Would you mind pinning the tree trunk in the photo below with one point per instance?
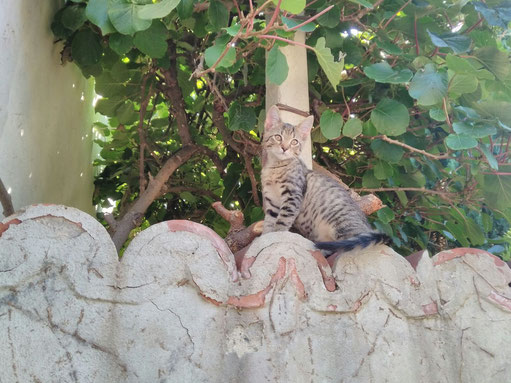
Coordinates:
(294, 91)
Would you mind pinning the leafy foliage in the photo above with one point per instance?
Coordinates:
(423, 89)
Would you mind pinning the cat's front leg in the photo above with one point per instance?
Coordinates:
(271, 213)
(289, 210)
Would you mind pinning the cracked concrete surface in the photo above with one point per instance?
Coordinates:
(175, 309)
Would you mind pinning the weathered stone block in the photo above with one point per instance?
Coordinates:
(175, 308)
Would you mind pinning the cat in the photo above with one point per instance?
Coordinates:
(295, 196)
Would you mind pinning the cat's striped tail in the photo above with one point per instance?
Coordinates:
(360, 241)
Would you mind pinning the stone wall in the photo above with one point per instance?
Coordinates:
(46, 111)
(175, 309)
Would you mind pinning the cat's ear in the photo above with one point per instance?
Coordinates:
(272, 118)
(305, 127)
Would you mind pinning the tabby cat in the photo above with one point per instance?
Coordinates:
(314, 204)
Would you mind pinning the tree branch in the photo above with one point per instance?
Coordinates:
(292, 42)
(310, 19)
(368, 203)
(417, 48)
(422, 190)
(253, 181)
(154, 190)
(5, 199)
(273, 17)
(191, 189)
(411, 148)
(238, 236)
(444, 106)
(395, 14)
(174, 94)
(141, 133)
(234, 217)
(470, 29)
(219, 122)
(213, 156)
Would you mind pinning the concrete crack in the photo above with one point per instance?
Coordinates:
(181, 323)
(131, 287)
(74, 335)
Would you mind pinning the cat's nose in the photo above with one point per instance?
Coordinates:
(284, 149)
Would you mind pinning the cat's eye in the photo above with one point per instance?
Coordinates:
(278, 137)
(294, 141)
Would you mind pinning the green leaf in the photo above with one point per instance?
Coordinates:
(330, 19)
(472, 231)
(293, 6)
(390, 117)
(233, 29)
(120, 44)
(86, 48)
(124, 17)
(463, 83)
(473, 130)
(414, 179)
(212, 54)
(420, 62)
(383, 72)
(369, 180)
(333, 37)
(58, 28)
(96, 12)
(330, 124)
(495, 109)
(352, 128)
(363, 3)
(383, 170)
(458, 43)
(387, 151)
(331, 68)
(107, 86)
(487, 221)
(368, 129)
(185, 9)
(291, 23)
(317, 136)
(388, 46)
(152, 41)
(492, 161)
(188, 197)
(107, 107)
(458, 232)
(495, 16)
(73, 17)
(496, 61)
(437, 114)
(497, 189)
(126, 114)
(385, 214)
(428, 86)
(276, 66)
(459, 65)
(157, 10)
(241, 117)
(402, 197)
(460, 141)
(218, 15)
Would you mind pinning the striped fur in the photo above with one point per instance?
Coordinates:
(314, 204)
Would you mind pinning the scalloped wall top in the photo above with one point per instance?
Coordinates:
(174, 308)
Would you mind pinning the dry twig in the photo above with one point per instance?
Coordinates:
(5, 199)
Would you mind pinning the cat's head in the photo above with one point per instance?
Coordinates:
(283, 141)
